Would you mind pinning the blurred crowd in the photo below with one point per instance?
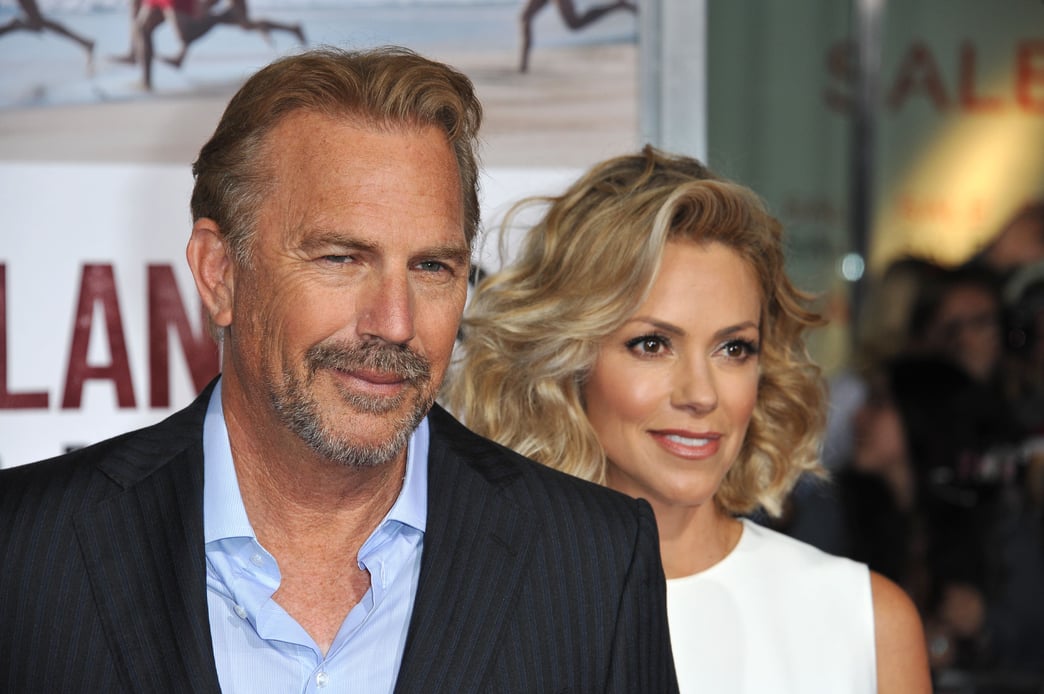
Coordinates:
(935, 449)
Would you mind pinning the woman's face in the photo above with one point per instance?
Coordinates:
(672, 391)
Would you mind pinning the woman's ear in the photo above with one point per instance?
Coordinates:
(213, 270)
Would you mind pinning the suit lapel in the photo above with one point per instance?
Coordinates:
(144, 553)
(477, 536)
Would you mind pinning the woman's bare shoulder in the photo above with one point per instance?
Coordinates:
(902, 656)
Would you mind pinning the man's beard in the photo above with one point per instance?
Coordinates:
(293, 400)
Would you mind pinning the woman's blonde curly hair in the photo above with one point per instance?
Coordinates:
(532, 331)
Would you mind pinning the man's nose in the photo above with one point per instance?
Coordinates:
(386, 309)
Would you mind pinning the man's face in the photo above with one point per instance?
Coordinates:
(344, 320)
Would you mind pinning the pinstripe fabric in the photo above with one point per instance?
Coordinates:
(531, 581)
(103, 586)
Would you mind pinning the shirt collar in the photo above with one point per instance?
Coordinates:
(224, 515)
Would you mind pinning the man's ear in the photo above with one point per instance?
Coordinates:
(213, 270)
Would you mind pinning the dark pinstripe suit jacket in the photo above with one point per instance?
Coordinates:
(531, 581)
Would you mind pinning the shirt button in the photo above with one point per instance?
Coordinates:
(240, 611)
(257, 560)
(322, 679)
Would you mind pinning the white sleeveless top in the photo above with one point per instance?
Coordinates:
(775, 615)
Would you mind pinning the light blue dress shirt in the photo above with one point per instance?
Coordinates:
(258, 647)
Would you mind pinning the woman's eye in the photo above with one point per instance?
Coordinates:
(647, 344)
(740, 349)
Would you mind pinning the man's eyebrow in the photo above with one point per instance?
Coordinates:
(329, 239)
(449, 252)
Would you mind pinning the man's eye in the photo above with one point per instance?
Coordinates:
(431, 266)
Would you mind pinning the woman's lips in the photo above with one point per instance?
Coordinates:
(687, 444)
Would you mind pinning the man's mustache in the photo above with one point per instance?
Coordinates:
(383, 357)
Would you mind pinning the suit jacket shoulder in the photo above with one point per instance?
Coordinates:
(104, 585)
